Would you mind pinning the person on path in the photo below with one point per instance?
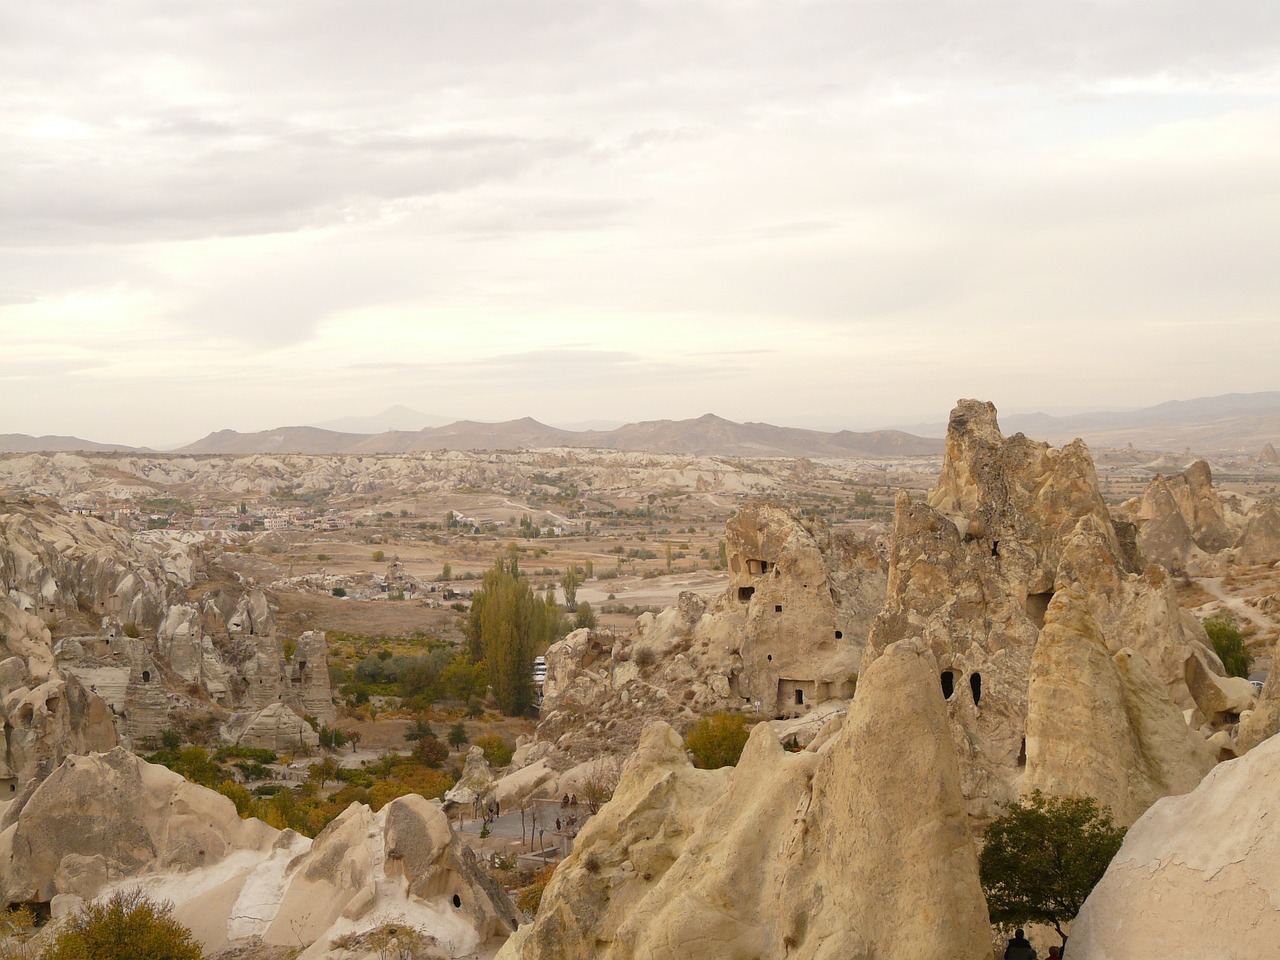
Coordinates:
(1019, 948)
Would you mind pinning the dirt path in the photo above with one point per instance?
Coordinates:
(1213, 586)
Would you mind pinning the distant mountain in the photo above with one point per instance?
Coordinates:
(707, 436)
(280, 440)
(22, 443)
(1230, 423)
(398, 417)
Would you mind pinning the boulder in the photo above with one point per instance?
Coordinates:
(1198, 875)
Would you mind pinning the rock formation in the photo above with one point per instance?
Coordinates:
(1102, 724)
(274, 727)
(857, 848)
(109, 820)
(973, 571)
(47, 716)
(786, 636)
(56, 565)
(1184, 524)
(1198, 875)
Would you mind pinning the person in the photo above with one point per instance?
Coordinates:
(1019, 948)
(1055, 953)
(558, 826)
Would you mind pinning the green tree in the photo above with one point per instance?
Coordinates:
(127, 926)
(446, 572)
(668, 558)
(457, 735)
(572, 580)
(722, 556)
(508, 623)
(717, 740)
(1228, 643)
(588, 570)
(496, 750)
(1043, 856)
(585, 617)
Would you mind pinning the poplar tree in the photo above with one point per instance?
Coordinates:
(508, 624)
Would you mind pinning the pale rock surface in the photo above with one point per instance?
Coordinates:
(858, 850)
(1219, 699)
(107, 821)
(274, 727)
(972, 572)
(1198, 875)
(1264, 720)
(475, 782)
(1102, 724)
(1260, 539)
(47, 716)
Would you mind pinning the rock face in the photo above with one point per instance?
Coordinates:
(47, 716)
(1185, 525)
(973, 571)
(474, 784)
(1260, 539)
(1102, 724)
(110, 820)
(274, 727)
(54, 564)
(785, 637)
(1198, 875)
(858, 848)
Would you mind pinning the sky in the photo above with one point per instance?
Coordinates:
(830, 214)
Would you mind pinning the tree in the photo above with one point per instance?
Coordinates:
(457, 735)
(717, 740)
(126, 926)
(1043, 856)
(572, 580)
(431, 751)
(378, 556)
(1228, 644)
(446, 572)
(585, 617)
(508, 623)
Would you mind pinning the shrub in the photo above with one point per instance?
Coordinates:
(717, 741)
(496, 750)
(127, 926)
(339, 592)
(1228, 644)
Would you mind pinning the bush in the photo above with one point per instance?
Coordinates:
(1228, 644)
(431, 751)
(717, 741)
(127, 926)
(496, 750)
(339, 592)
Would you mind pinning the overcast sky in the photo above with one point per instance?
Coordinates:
(220, 214)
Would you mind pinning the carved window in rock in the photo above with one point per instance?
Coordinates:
(948, 684)
(758, 567)
(777, 608)
(745, 593)
(975, 687)
(146, 676)
(839, 634)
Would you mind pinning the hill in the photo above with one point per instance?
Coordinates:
(706, 436)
